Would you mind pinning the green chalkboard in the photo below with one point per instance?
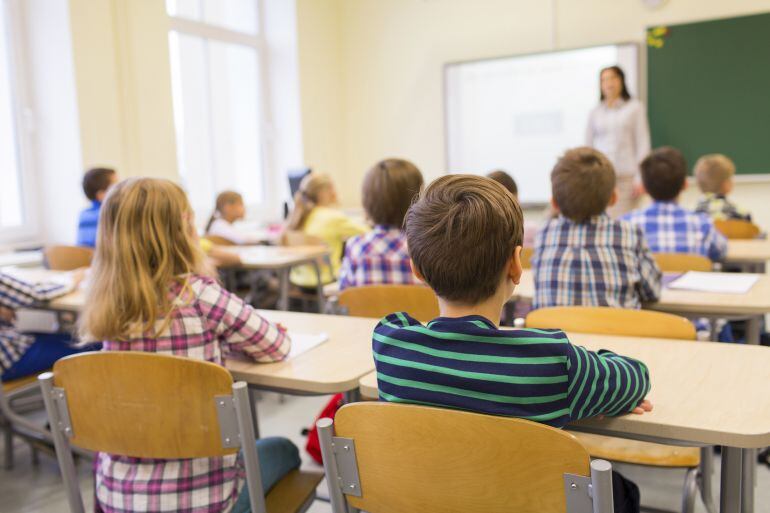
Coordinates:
(709, 89)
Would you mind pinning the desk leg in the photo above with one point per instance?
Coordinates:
(351, 396)
(707, 473)
(253, 394)
(753, 327)
(732, 467)
(283, 300)
(748, 480)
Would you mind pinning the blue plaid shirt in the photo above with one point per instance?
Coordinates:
(379, 257)
(15, 293)
(600, 262)
(670, 228)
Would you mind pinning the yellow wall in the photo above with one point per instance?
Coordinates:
(377, 65)
(123, 79)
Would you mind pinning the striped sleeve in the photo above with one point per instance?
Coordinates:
(239, 326)
(604, 383)
(15, 293)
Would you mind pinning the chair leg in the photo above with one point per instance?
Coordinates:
(8, 443)
(690, 490)
(704, 478)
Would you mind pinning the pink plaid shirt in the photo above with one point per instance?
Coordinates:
(208, 325)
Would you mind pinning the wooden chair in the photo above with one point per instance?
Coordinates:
(682, 262)
(396, 458)
(180, 409)
(636, 323)
(219, 241)
(380, 300)
(737, 229)
(67, 258)
(526, 258)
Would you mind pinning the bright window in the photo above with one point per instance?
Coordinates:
(216, 52)
(15, 207)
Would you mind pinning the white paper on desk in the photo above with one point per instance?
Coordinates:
(304, 342)
(259, 255)
(726, 283)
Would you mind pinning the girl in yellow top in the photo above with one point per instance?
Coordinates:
(314, 215)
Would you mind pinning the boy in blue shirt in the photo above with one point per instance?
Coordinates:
(96, 182)
(464, 236)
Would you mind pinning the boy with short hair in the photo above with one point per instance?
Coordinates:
(714, 174)
(670, 228)
(96, 182)
(464, 236)
(583, 256)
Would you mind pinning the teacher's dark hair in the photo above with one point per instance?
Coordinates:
(622, 76)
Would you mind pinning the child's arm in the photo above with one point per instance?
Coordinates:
(649, 273)
(239, 326)
(604, 383)
(714, 242)
(346, 227)
(346, 270)
(16, 293)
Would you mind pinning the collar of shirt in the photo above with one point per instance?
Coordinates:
(96, 204)
(475, 319)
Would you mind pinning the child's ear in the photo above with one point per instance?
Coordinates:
(613, 198)
(100, 196)
(554, 205)
(416, 272)
(514, 266)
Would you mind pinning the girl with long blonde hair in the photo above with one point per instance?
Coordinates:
(314, 215)
(148, 293)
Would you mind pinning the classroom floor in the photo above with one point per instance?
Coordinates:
(38, 489)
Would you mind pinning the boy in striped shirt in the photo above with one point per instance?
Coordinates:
(464, 236)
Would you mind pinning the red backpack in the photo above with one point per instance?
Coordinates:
(313, 446)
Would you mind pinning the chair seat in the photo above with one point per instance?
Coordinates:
(9, 386)
(292, 492)
(639, 453)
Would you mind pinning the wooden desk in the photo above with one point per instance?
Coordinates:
(752, 254)
(754, 304)
(703, 394)
(333, 367)
(282, 259)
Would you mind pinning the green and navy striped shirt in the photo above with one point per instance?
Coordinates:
(468, 363)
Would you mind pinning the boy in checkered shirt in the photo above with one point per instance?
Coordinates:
(582, 256)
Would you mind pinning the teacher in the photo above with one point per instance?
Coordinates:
(618, 128)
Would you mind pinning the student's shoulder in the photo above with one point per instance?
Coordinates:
(396, 321)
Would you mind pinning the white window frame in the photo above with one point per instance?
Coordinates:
(270, 203)
(24, 114)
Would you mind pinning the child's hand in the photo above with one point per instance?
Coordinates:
(644, 406)
(7, 315)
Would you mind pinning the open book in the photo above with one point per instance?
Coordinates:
(726, 283)
(303, 342)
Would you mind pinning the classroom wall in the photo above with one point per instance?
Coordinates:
(371, 70)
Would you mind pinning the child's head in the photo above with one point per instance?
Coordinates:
(316, 189)
(229, 206)
(583, 184)
(388, 190)
(664, 173)
(97, 181)
(506, 180)
(146, 241)
(464, 235)
(714, 174)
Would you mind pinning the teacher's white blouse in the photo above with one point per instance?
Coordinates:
(620, 132)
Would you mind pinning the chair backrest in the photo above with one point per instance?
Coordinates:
(218, 240)
(737, 228)
(143, 404)
(682, 262)
(415, 458)
(612, 321)
(380, 300)
(526, 258)
(300, 238)
(67, 258)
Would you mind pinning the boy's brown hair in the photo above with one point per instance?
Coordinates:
(506, 180)
(712, 171)
(389, 189)
(582, 183)
(95, 180)
(664, 172)
(461, 233)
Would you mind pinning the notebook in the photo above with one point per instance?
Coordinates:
(725, 283)
(303, 342)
